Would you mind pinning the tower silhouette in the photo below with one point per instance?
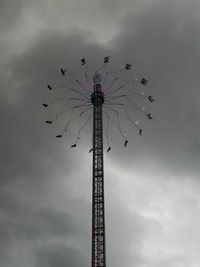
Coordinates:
(98, 212)
(92, 96)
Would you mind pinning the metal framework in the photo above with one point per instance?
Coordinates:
(98, 218)
(88, 98)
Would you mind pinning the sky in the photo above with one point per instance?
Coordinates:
(151, 187)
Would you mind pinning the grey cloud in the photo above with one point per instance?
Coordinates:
(60, 255)
(167, 55)
(9, 13)
(162, 49)
(25, 224)
(120, 245)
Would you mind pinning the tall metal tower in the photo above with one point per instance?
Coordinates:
(98, 212)
(95, 97)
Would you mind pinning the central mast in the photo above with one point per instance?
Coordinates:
(98, 218)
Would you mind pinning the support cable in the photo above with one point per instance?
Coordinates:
(131, 91)
(75, 118)
(112, 83)
(121, 114)
(71, 108)
(107, 129)
(86, 73)
(81, 127)
(142, 110)
(80, 93)
(116, 125)
(60, 99)
(114, 90)
(79, 83)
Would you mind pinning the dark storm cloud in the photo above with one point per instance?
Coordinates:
(22, 144)
(32, 223)
(25, 224)
(60, 255)
(33, 154)
(166, 50)
(9, 13)
(32, 162)
(120, 245)
(29, 161)
(23, 122)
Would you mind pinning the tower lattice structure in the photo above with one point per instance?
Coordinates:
(98, 211)
(116, 103)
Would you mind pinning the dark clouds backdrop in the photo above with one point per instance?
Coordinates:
(152, 188)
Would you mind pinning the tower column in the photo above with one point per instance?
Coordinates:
(98, 218)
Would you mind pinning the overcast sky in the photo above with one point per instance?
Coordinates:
(152, 187)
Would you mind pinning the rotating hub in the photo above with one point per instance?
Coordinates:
(97, 98)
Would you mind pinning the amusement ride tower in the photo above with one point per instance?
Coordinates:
(91, 96)
(98, 213)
